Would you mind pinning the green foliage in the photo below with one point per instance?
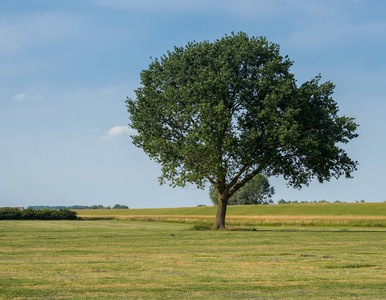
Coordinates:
(98, 207)
(256, 191)
(10, 213)
(226, 111)
(64, 214)
(120, 206)
(37, 214)
(282, 201)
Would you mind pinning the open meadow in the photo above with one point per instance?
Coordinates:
(125, 259)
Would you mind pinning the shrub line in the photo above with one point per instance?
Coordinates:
(14, 213)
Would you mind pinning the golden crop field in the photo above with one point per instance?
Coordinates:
(326, 214)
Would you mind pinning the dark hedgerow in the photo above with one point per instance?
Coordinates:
(37, 214)
(10, 214)
(64, 214)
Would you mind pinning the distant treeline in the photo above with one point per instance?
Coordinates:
(14, 213)
(116, 206)
(282, 201)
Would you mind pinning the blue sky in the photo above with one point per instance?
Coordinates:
(66, 68)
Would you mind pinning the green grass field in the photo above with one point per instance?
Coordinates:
(120, 259)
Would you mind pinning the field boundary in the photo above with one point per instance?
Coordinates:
(357, 221)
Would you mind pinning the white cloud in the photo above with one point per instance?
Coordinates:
(27, 96)
(119, 131)
(20, 96)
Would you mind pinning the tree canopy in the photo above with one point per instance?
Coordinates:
(224, 111)
(255, 191)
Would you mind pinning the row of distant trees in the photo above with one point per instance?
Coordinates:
(258, 191)
(282, 201)
(116, 206)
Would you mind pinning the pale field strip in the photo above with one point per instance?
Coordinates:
(267, 217)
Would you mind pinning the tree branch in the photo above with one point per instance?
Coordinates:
(237, 176)
(238, 185)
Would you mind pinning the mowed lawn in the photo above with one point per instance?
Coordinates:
(120, 259)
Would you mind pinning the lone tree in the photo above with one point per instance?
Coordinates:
(227, 110)
(255, 191)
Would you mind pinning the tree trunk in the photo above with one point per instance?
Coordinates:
(221, 212)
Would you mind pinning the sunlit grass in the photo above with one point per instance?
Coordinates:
(152, 260)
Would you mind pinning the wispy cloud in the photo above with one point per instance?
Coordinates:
(118, 131)
(35, 31)
(18, 97)
(246, 8)
(152, 5)
(26, 96)
(336, 33)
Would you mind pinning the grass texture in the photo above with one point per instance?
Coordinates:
(120, 259)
